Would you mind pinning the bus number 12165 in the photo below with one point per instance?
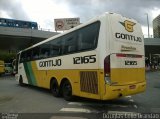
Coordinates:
(84, 59)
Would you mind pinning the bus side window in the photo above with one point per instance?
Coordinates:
(71, 48)
(36, 51)
(44, 50)
(29, 55)
(88, 36)
(22, 57)
(55, 51)
(56, 47)
(69, 43)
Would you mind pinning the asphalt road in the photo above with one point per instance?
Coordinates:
(32, 102)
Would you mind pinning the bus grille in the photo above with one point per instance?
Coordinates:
(89, 81)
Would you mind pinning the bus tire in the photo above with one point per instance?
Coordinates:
(54, 88)
(67, 90)
(21, 81)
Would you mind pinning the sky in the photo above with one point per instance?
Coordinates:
(45, 11)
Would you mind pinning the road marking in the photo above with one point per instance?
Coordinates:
(80, 110)
(116, 105)
(131, 100)
(121, 112)
(128, 96)
(96, 104)
(65, 117)
(75, 103)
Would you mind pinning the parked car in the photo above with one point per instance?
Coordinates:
(8, 68)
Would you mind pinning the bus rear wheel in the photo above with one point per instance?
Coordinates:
(54, 88)
(67, 91)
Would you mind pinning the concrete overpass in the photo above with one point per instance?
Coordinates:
(152, 46)
(14, 39)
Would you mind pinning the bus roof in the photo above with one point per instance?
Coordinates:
(97, 18)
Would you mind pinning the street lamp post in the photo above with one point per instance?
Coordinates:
(148, 24)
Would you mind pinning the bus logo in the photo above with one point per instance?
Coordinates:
(128, 25)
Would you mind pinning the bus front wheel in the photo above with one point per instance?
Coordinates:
(21, 81)
(67, 91)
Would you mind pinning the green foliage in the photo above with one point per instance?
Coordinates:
(6, 56)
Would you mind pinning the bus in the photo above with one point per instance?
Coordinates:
(101, 59)
(2, 69)
(5, 22)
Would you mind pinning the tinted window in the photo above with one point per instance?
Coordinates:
(69, 44)
(44, 50)
(26, 56)
(88, 36)
(8, 65)
(35, 54)
(29, 55)
(22, 57)
(80, 40)
(55, 47)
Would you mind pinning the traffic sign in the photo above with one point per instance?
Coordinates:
(66, 23)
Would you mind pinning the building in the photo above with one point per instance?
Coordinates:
(156, 27)
(13, 39)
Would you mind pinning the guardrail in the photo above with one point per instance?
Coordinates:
(146, 36)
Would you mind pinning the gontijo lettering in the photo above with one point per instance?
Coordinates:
(128, 37)
(50, 63)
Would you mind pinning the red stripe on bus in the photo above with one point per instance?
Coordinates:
(129, 55)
